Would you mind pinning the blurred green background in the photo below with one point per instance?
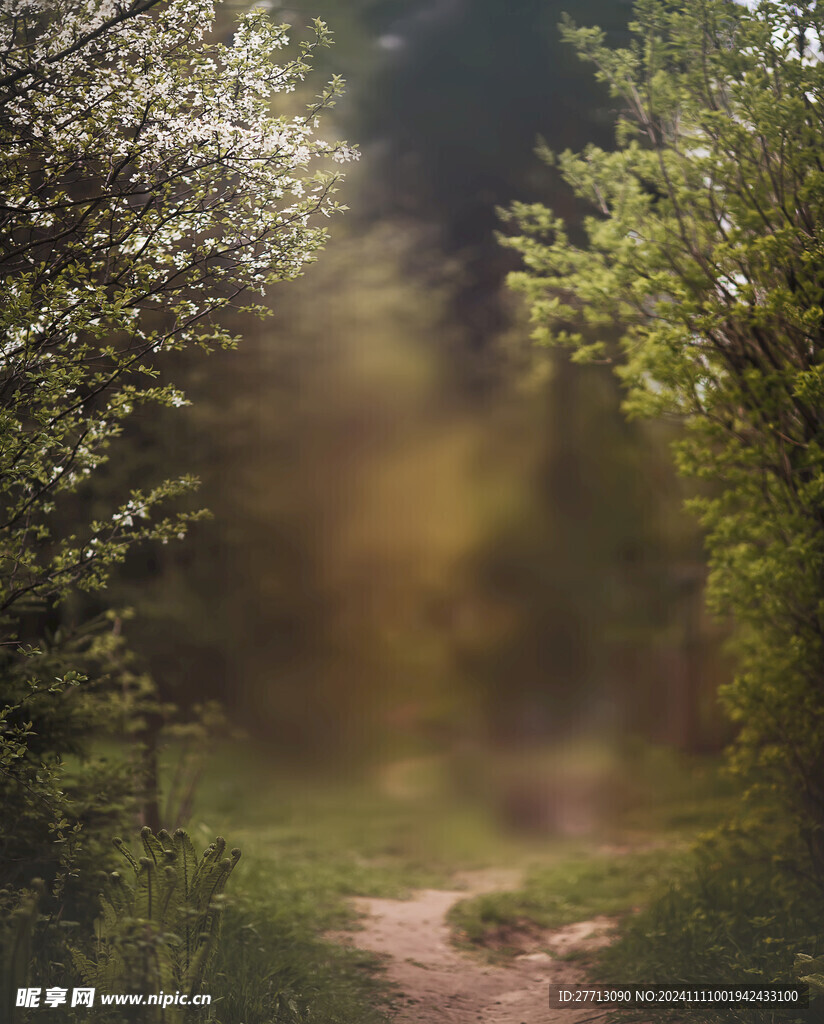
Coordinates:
(430, 538)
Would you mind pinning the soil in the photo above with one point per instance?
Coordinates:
(438, 983)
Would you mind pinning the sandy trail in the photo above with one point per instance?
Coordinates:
(439, 983)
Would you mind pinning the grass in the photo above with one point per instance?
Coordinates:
(668, 801)
(309, 845)
(573, 889)
(735, 912)
(275, 967)
(730, 913)
(696, 903)
(347, 833)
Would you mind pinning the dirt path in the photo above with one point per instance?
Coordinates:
(439, 983)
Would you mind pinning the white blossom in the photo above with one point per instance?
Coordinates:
(148, 181)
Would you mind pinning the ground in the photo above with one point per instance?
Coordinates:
(438, 982)
(389, 864)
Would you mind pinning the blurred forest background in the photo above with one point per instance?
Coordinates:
(428, 536)
(448, 608)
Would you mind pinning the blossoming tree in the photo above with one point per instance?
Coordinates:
(149, 180)
(147, 186)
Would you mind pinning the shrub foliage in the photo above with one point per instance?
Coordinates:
(704, 244)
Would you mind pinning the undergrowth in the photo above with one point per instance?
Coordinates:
(737, 912)
(275, 969)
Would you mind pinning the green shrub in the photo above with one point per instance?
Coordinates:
(159, 933)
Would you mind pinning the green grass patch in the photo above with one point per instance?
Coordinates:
(373, 843)
(275, 968)
(734, 913)
(573, 889)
